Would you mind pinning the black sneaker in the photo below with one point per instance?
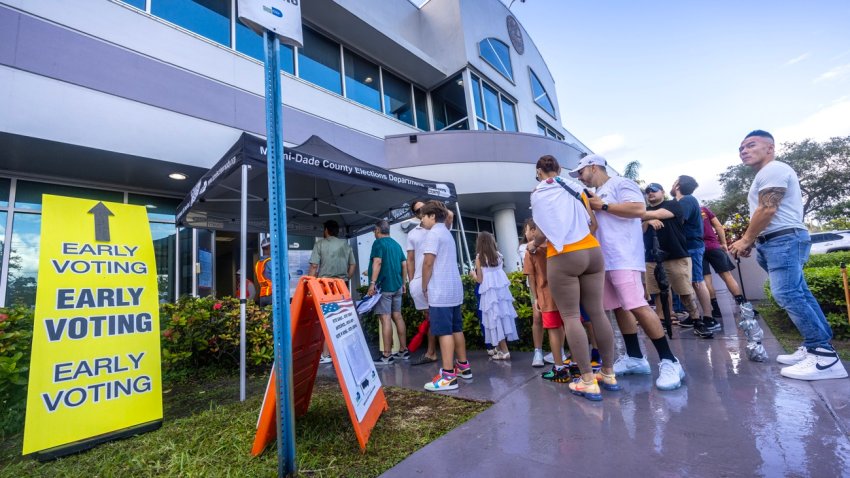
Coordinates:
(687, 323)
(710, 323)
(402, 355)
(715, 313)
(701, 331)
(559, 376)
(382, 359)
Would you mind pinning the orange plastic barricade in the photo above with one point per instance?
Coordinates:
(322, 309)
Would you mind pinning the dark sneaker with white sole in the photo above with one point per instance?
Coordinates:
(382, 359)
(701, 331)
(710, 323)
(687, 323)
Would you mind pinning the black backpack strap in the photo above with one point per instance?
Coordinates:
(570, 190)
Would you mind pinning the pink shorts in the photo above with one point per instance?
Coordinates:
(623, 289)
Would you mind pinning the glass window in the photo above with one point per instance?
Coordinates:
(509, 115)
(251, 44)
(140, 4)
(5, 184)
(541, 130)
(476, 97)
(208, 18)
(539, 94)
(397, 98)
(421, 102)
(28, 194)
(318, 61)
(546, 130)
(164, 242)
(362, 81)
(186, 268)
(23, 260)
(485, 225)
(206, 263)
(3, 216)
(449, 104)
(498, 55)
(159, 209)
(491, 106)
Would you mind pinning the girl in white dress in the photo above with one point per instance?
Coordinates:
(496, 302)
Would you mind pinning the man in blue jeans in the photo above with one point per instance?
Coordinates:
(682, 190)
(782, 246)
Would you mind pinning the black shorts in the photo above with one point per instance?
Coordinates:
(719, 261)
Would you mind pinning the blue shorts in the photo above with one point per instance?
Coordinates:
(696, 264)
(445, 320)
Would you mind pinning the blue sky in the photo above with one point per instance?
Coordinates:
(677, 84)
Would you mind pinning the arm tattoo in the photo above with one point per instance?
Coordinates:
(771, 197)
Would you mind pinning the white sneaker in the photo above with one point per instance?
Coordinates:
(670, 375)
(791, 359)
(326, 359)
(499, 355)
(819, 364)
(549, 358)
(537, 361)
(626, 365)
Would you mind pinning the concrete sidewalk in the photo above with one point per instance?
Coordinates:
(732, 417)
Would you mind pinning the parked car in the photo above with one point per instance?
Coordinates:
(830, 241)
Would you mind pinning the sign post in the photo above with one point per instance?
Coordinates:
(278, 20)
(95, 369)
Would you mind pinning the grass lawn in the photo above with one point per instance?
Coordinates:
(208, 432)
(787, 334)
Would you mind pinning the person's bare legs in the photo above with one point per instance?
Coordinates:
(448, 343)
(556, 341)
(709, 284)
(503, 346)
(731, 283)
(387, 333)
(401, 329)
(703, 297)
(459, 346)
(537, 328)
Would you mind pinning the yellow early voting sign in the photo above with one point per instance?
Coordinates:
(95, 370)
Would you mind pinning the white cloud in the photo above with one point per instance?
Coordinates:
(797, 59)
(705, 170)
(608, 144)
(830, 121)
(836, 73)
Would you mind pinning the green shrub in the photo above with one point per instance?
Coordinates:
(830, 259)
(15, 343)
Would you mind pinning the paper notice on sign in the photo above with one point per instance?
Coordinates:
(352, 354)
(95, 365)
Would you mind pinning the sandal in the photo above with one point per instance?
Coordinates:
(423, 360)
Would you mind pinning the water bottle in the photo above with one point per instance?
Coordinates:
(753, 332)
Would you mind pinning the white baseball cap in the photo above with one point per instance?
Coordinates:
(589, 160)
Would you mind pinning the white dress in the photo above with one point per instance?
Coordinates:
(497, 305)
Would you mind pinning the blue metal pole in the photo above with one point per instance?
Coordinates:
(280, 262)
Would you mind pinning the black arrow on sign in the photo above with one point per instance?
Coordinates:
(101, 222)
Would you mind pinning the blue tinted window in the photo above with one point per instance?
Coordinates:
(449, 104)
(28, 194)
(140, 4)
(208, 18)
(4, 191)
(362, 81)
(509, 114)
(476, 97)
(540, 96)
(251, 44)
(23, 261)
(159, 209)
(498, 55)
(421, 102)
(397, 98)
(491, 106)
(318, 61)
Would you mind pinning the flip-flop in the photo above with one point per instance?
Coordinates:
(424, 359)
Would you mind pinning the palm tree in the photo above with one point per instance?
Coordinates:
(632, 171)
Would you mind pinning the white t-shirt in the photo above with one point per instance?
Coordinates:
(414, 243)
(621, 238)
(561, 217)
(445, 288)
(777, 174)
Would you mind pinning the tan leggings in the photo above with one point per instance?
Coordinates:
(579, 277)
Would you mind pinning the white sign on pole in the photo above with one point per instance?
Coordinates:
(283, 17)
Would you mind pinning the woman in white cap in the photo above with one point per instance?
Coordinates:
(575, 271)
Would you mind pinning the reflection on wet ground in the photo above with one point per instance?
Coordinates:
(732, 417)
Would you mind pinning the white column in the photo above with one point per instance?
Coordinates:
(504, 221)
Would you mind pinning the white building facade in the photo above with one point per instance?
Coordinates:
(106, 98)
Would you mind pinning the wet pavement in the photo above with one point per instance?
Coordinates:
(732, 417)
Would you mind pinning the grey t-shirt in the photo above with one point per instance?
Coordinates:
(777, 174)
(333, 256)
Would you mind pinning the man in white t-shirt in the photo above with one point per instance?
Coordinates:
(415, 256)
(619, 206)
(782, 245)
(442, 287)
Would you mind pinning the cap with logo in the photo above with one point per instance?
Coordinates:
(653, 188)
(589, 160)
